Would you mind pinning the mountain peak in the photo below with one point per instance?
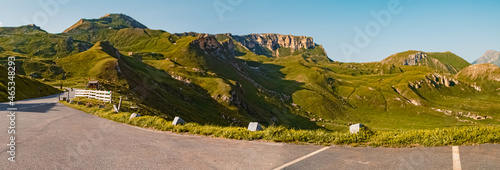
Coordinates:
(108, 21)
(490, 56)
(441, 61)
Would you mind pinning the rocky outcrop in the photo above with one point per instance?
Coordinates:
(414, 59)
(210, 45)
(434, 80)
(260, 43)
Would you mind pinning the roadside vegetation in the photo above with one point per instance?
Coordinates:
(465, 135)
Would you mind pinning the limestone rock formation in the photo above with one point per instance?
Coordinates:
(413, 59)
(210, 44)
(259, 43)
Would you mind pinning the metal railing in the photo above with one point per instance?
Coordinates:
(94, 94)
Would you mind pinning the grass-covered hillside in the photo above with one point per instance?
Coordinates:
(278, 79)
(25, 88)
(109, 21)
(444, 62)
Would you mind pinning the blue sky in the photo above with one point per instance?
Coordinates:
(467, 28)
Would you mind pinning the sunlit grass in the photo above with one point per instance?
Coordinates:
(468, 135)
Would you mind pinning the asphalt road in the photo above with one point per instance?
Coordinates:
(50, 135)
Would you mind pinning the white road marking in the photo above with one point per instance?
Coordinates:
(34, 106)
(456, 158)
(301, 158)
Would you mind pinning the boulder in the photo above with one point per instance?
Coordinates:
(254, 126)
(178, 120)
(88, 105)
(355, 128)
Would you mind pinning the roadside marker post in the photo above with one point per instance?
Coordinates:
(355, 128)
(254, 126)
(134, 115)
(116, 109)
(178, 120)
(120, 103)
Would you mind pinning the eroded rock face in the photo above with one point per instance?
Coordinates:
(434, 80)
(209, 44)
(440, 80)
(274, 41)
(413, 59)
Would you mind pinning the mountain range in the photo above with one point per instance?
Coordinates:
(228, 79)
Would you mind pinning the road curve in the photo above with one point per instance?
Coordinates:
(50, 135)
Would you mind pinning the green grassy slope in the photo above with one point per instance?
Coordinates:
(98, 62)
(30, 41)
(25, 88)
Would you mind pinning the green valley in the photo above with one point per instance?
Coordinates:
(274, 79)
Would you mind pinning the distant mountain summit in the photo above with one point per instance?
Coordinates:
(26, 29)
(110, 21)
(490, 56)
(446, 62)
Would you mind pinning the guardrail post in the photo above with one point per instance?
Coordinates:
(120, 103)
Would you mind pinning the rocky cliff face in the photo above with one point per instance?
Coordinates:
(209, 44)
(413, 59)
(489, 56)
(260, 43)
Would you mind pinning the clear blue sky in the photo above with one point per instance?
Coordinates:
(467, 28)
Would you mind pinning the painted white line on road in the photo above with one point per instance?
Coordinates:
(301, 158)
(34, 106)
(456, 158)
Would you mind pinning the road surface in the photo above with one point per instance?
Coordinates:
(50, 135)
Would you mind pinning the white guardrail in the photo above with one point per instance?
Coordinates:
(94, 94)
